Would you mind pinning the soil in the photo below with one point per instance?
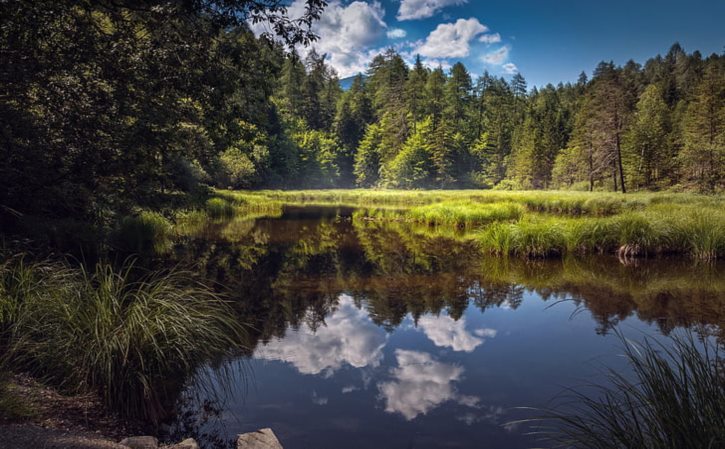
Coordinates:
(50, 419)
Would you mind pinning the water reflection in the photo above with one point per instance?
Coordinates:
(348, 336)
(421, 383)
(446, 332)
(369, 334)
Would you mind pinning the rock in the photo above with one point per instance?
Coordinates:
(188, 443)
(143, 442)
(261, 439)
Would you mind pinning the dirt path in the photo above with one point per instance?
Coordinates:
(54, 420)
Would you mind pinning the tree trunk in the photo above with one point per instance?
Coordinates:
(619, 163)
(591, 168)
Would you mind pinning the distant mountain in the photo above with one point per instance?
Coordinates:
(345, 83)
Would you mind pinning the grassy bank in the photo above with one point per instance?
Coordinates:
(539, 223)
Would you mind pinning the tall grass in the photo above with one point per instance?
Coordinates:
(219, 208)
(464, 214)
(540, 223)
(674, 400)
(147, 232)
(134, 339)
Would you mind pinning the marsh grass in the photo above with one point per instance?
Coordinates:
(675, 399)
(133, 337)
(464, 214)
(146, 232)
(218, 208)
(537, 224)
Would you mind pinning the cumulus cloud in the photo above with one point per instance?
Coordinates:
(510, 68)
(445, 332)
(421, 9)
(349, 338)
(452, 40)
(421, 384)
(346, 32)
(396, 33)
(494, 38)
(497, 57)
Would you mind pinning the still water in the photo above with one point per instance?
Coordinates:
(372, 335)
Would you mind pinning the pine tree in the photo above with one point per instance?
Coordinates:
(647, 149)
(435, 96)
(703, 156)
(415, 91)
(367, 158)
(458, 95)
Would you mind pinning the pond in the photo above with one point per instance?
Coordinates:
(380, 335)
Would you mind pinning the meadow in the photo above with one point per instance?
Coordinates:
(535, 224)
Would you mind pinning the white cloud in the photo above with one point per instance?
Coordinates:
(421, 384)
(510, 68)
(420, 9)
(452, 40)
(489, 39)
(497, 57)
(346, 33)
(348, 338)
(396, 33)
(486, 332)
(446, 332)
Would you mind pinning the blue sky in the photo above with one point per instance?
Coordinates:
(547, 41)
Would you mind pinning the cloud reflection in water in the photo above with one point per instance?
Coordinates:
(420, 384)
(349, 337)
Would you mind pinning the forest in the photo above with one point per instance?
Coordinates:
(109, 106)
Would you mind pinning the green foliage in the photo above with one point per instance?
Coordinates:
(219, 208)
(144, 233)
(320, 155)
(124, 335)
(367, 158)
(465, 213)
(412, 167)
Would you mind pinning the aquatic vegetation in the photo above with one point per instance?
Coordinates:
(219, 208)
(675, 400)
(464, 214)
(536, 224)
(144, 233)
(191, 223)
(133, 337)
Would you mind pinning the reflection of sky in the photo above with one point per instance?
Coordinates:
(349, 337)
(445, 332)
(421, 383)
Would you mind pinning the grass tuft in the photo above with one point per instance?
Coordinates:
(675, 400)
(135, 339)
(219, 208)
(147, 232)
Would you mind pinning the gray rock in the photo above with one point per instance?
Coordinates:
(261, 439)
(142, 442)
(188, 443)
